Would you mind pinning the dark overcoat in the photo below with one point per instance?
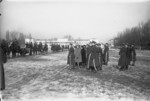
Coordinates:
(94, 56)
(100, 56)
(133, 54)
(35, 47)
(106, 54)
(3, 59)
(71, 56)
(83, 53)
(88, 54)
(88, 51)
(128, 55)
(123, 57)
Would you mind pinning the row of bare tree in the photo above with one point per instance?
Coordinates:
(138, 35)
(15, 35)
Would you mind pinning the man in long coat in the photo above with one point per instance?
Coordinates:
(123, 57)
(83, 53)
(31, 48)
(106, 54)
(35, 48)
(99, 50)
(133, 55)
(71, 57)
(3, 59)
(40, 47)
(46, 48)
(78, 56)
(88, 51)
(94, 58)
(128, 55)
(14, 47)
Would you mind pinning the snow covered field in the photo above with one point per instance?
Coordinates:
(46, 78)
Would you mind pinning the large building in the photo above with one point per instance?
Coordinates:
(82, 41)
(61, 41)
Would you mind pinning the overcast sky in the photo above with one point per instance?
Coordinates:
(81, 18)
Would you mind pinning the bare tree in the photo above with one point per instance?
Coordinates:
(138, 35)
(7, 36)
(14, 35)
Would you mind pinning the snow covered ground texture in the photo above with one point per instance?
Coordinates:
(45, 78)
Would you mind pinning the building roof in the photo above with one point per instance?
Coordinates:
(62, 40)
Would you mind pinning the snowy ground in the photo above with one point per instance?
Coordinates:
(45, 78)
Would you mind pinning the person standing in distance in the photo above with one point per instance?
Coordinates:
(71, 57)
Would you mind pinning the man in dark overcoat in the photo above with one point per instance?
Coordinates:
(88, 51)
(35, 48)
(40, 47)
(46, 48)
(31, 48)
(128, 55)
(83, 54)
(93, 57)
(99, 50)
(3, 59)
(123, 57)
(71, 57)
(106, 54)
(133, 55)
(14, 47)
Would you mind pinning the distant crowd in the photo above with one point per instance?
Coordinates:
(93, 56)
(13, 48)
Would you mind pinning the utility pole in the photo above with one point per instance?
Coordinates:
(0, 38)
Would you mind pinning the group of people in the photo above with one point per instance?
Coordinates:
(92, 56)
(12, 47)
(127, 56)
(16, 49)
(58, 47)
(34, 49)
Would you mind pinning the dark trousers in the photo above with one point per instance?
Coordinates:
(2, 77)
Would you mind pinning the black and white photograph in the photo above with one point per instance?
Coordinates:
(74, 50)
